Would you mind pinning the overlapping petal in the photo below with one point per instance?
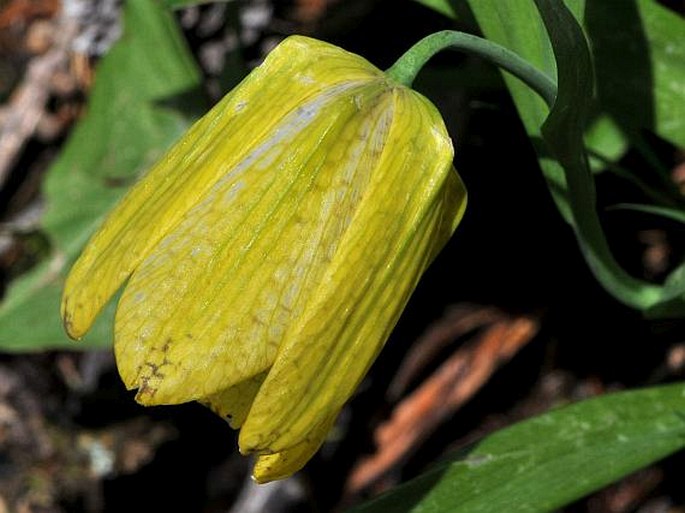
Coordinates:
(227, 136)
(241, 264)
(271, 252)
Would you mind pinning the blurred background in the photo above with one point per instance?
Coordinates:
(507, 323)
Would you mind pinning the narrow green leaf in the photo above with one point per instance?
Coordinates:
(514, 25)
(669, 213)
(639, 52)
(546, 462)
(129, 122)
(441, 6)
(563, 133)
(640, 90)
(674, 285)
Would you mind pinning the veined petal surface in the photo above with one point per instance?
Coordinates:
(296, 71)
(270, 467)
(409, 209)
(209, 305)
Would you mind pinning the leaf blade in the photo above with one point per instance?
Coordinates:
(126, 128)
(543, 463)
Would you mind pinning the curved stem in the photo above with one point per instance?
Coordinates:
(407, 67)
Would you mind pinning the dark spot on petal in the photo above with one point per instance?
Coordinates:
(166, 345)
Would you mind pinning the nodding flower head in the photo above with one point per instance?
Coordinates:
(268, 255)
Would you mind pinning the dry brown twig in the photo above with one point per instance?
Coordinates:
(420, 413)
(26, 107)
(21, 11)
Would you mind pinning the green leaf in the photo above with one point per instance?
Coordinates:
(607, 139)
(544, 463)
(563, 133)
(129, 122)
(675, 282)
(516, 25)
(639, 52)
(562, 154)
(441, 6)
(669, 213)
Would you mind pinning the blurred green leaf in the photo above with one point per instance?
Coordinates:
(606, 137)
(129, 122)
(669, 213)
(546, 462)
(442, 6)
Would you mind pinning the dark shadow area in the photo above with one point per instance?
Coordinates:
(624, 85)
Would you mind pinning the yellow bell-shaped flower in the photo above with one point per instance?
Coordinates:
(271, 251)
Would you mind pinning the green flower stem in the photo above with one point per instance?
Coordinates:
(407, 67)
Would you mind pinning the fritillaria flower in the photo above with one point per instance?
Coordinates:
(267, 256)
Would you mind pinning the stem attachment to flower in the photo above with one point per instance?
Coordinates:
(407, 67)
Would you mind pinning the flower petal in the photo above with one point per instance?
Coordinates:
(295, 71)
(410, 207)
(233, 404)
(270, 467)
(209, 306)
